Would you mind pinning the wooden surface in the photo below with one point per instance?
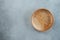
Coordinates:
(42, 19)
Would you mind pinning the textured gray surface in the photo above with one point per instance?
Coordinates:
(15, 19)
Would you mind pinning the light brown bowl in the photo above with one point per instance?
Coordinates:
(42, 19)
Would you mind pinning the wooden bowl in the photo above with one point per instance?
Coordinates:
(42, 19)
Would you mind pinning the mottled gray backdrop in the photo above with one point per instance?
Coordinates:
(15, 20)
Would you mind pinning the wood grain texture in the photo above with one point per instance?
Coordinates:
(42, 19)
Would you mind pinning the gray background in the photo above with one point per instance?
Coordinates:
(15, 20)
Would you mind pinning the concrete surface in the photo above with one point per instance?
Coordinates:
(15, 20)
